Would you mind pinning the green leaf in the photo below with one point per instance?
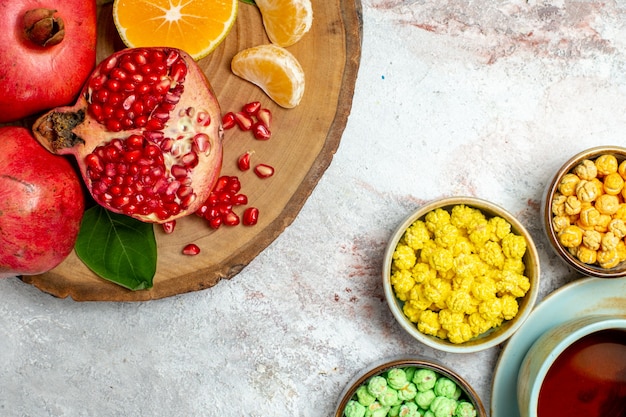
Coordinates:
(248, 1)
(118, 248)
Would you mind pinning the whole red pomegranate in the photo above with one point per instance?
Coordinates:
(47, 50)
(146, 132)
(41, 205)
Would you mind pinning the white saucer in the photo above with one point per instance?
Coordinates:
(579, 298)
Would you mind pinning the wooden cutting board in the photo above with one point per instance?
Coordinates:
(304, 140)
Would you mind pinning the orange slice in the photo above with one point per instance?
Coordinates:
(195, 26)
(275, 70)
(286, 21)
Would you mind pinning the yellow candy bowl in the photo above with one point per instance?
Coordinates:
(475, 291)
(583, 202)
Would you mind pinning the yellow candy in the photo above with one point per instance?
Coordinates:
(609, 241)
(558, 204)
(618, 228)
(586, 255)
(606, 164)
(560, 222)
(589, 216)
(572, 205)
(586, 191)
(591, 222)
(586, 170)
(592, 239)
(607, 204)
(603, 223)
(571, 236)
(599, 186)
(621, 212)
(613, 183)
(608, 259)
(568, 184)
(445, 267)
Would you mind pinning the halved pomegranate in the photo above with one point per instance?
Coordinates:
(146, 132)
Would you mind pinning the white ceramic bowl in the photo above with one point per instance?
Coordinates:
(546, 349)
(592, 270)
(382, 366)
(494, 336)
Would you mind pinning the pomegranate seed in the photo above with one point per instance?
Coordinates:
(108, 64)
(228, 120)
(190, 160)
(243, 162)
(128, 66)
(97, 111)
(118, 74)
(260, 131)
(155, 124)
(265, 116)
(239, 199)
(119, 202)
(243, 120)
(94, 163)
(203, 119)
(218, 207)
(231, 219)
(178, 71)
(113, 85)
(191, 249)
(220, 184)
(252, 108)
(215, 222)
(168, 227)
(263, 171)
(113, 125)
(234, 185)
(201, 142)
(251, 216)
(97, 81)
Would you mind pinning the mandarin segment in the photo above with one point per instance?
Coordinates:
(275, 70)
(195, 26)
(286, 21)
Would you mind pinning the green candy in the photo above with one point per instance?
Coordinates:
(396, 378)
(465, 409)
(424, 398)
(377, 386)
(394, 411)
(443, 407)
(354, 409)
(424, 379)
(409, 410)
(408, 392)
(364, 396)
(409, 372)
(376, 409)
(389, 398)
(445, 387)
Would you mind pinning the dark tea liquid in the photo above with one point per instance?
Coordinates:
(588, 379)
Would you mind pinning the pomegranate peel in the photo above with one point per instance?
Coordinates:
(146, 132)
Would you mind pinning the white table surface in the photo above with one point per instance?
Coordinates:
(484, 98)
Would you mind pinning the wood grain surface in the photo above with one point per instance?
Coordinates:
(304, 140)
